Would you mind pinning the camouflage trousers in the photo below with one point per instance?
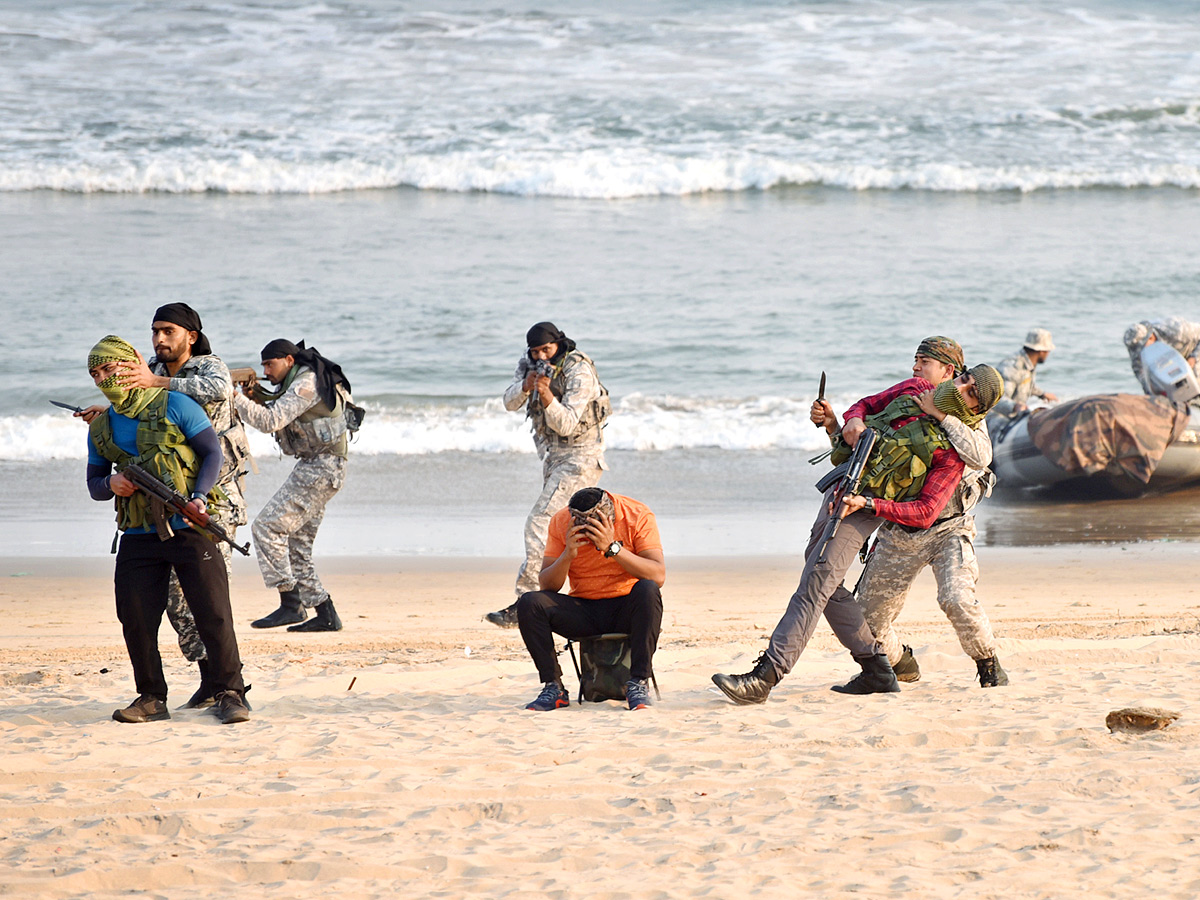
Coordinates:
(285, 529)
(179, 614)
(562, 476)
(949, 548)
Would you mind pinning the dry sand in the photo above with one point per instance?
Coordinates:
(427, 779)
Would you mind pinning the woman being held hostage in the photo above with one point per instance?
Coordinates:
(909, 478)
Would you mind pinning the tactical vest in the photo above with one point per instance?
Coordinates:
(319, 430)
(163, 451)
(591, 420)
(902, 456)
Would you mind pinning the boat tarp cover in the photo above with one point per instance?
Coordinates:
(1117, 433)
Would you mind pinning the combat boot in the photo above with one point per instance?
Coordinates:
(876, 677)
(989, 673)
(290, 611)
(203, 698)
(753, 687)
(326, 619)
(907, 669)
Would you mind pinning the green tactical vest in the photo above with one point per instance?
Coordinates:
(163, 451)
(902, 456)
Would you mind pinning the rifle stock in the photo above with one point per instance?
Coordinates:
(850, 485)
(178, 503)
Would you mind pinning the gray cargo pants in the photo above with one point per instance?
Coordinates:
(285, 529)
(895, 562)
(821, 591)
(562, 476)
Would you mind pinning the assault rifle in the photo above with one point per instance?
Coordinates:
(163, 497)
(850, 484)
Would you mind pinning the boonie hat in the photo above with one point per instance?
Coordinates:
(1039, 339)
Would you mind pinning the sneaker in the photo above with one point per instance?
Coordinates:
(144, 709)
(230, 708)
(989, 672)
(907, 669)
(637, 692)
(553, 696)
(504, 618)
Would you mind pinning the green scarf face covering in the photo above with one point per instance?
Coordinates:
(127, 402)
(947, 398)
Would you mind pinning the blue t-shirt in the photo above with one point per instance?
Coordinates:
(181, 409)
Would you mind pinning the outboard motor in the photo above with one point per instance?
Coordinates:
(1165, 372)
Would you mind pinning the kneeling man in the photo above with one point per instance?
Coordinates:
(608, 546)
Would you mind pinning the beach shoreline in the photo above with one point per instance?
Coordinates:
(393, 758)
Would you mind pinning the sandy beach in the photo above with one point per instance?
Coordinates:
(394, 759)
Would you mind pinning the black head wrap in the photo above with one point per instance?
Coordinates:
(548, 333)
(187, 318)
(328, 373)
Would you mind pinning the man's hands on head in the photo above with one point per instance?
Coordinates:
(132, 375)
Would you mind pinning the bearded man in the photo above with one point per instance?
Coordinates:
(167, 434)
(909, 478)
(947, 546)
(183, 361)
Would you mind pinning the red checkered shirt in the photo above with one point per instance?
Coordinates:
(945, 468)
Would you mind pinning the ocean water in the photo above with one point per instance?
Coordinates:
(717, 201)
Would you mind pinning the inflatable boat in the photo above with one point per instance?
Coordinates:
(1102, 446)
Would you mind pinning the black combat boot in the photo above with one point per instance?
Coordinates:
(907, 669)
(989, 673)
(876, 677)
(289, 611)
(504, 618)
(753, 687)
(203, 698)
(326, 619)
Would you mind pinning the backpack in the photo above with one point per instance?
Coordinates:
(603, 666)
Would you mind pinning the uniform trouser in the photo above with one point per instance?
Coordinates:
(285, 529)
(144, 565)
(895, 562)
(562, 476)
(542, 614)
(178, 613)
(821, 591)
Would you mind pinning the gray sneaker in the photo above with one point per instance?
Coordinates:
(144, 709)
(637, 692)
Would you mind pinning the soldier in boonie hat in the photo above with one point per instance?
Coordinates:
(1018, 371)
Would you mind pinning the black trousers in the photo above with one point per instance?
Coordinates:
(542, 614)
(143, 571)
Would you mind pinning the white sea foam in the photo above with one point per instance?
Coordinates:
(639, 423)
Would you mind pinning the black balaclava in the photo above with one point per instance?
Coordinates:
(548, 333)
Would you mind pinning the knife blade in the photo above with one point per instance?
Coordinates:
(820, 396)
(67, 406)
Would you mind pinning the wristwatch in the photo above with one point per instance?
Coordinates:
(870, 506)
(198, 496)
(613, 549)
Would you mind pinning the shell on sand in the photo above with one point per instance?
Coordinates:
(1139, 719)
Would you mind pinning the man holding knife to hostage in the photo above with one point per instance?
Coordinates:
(908, 478)
(169, 435)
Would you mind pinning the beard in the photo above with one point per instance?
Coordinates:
(167, 354)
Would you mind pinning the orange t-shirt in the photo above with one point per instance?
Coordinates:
(592, 576)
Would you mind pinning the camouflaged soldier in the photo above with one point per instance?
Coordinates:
(947, 546)
(1184, 336)
(311, 415)
(561, 393)
(183, 361)
(1018, 374)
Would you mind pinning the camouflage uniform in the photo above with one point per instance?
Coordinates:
(947, 546)
(1182, 335)
(1019, 384)
(206, 380)
(570, 443)
(286, 527)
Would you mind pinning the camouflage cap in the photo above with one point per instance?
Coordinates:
(944, 350)
(989, 385)
(1039, 339)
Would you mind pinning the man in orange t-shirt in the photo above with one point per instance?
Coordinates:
(608, 546)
